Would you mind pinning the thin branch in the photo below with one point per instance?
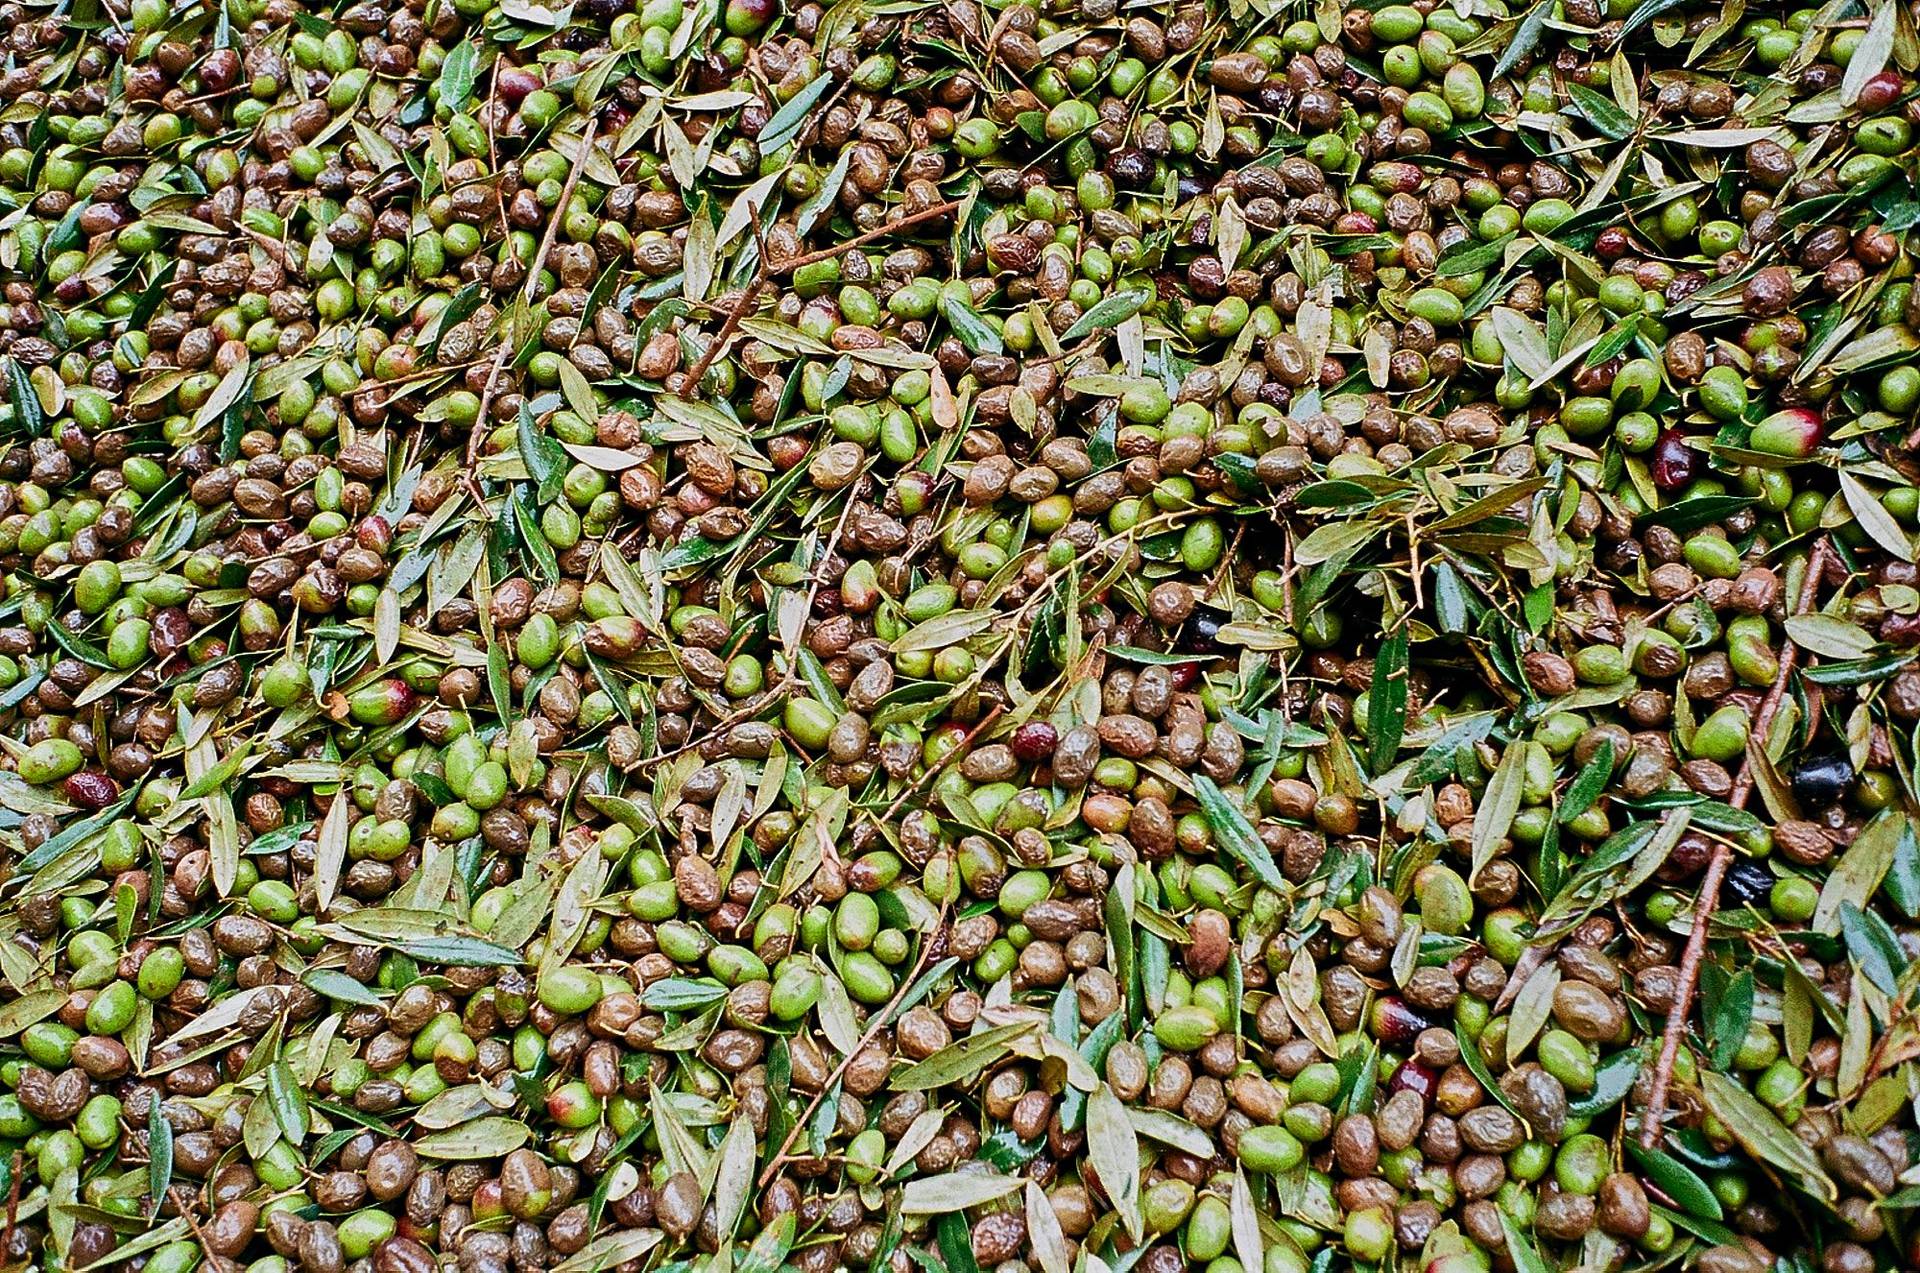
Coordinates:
(767, 270)
(876, 1023)
(1655, 1113)
(966, 742)
(526, 294)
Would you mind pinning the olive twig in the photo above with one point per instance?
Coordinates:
(877, 1023)
(985, 723)
(538, 263)
(1703, 910)
(767, 270)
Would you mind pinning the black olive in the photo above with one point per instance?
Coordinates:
(1201, 634)
(1748, 884)
(1822, 780)
(1131, 169)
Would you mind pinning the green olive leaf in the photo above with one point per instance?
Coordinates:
(1763, 1135)
(1232, 832)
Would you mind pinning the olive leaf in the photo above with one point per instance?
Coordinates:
(1114, 1151)
(1499, 805)
(786, 121)
(1044, 1232)
(954, 1191)
(159, 1154)
(1763, 1135)
(1232, 832)
(1109, 311)
(1873, 947)
(1727, 1010)
(483, 1138)
(1871, 54)
(975, 332)
(1387, 702)
(457, 75)
(1525, 1255)
(1526, 36)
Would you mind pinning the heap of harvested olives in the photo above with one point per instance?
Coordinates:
(926, 636)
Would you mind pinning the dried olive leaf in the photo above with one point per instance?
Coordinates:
(1829, 636)
(1883, 344)
(960, 1061)
(836, 1014)
(734, 1182)
(224, 394)
(1523, 342)
(1874, 518)
(28, 1010)
(1245, 1220)
(1303, 1003)
(453, 1107)
(610, 1250)
(225, 1013)
(1114, 1151)
(954, 1191)
(1044, 1232)
(744, 210)
(918, 1136)
(951, 628)
(1170, 1129)
(260, 1129)
(1870, 56)
(1330, 540)
(1857, 875)
(1532, 1006)
(1856, 1042)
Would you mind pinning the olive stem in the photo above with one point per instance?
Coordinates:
(1709, 899)
(759, 703)
(751, 296)
(966, 741)
(877, 1023)
(185, 1203)
(861, 240)
(526, 294)
(748, 299)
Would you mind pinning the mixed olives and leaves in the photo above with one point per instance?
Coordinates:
(741, 636)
